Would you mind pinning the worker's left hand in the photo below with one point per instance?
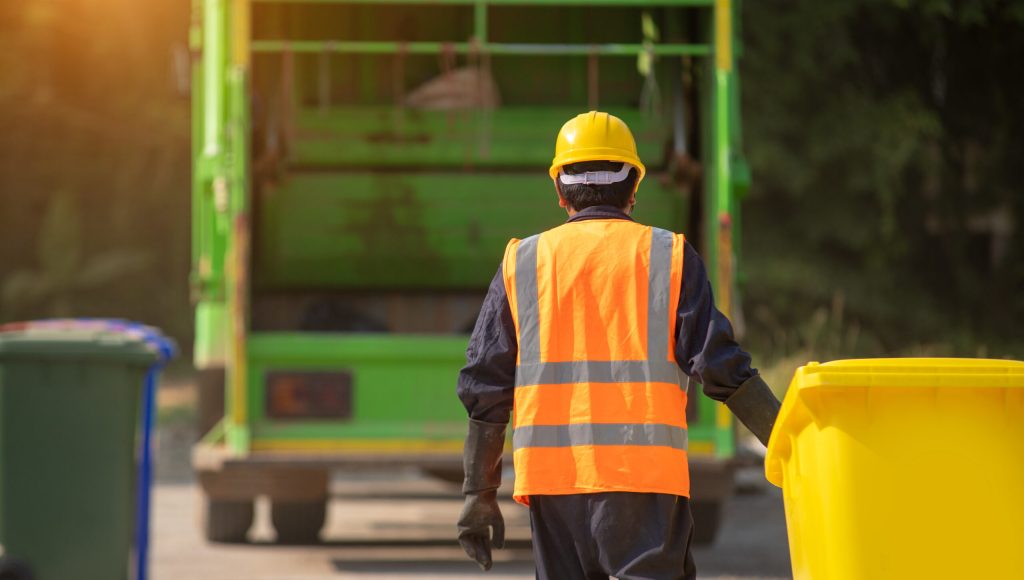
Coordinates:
(479, 516)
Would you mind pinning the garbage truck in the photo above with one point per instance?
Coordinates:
(359, 167)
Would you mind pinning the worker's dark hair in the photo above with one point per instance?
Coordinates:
(581, 195)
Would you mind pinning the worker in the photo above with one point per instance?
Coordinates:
(590, 333)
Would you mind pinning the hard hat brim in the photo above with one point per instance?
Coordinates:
(596, 154)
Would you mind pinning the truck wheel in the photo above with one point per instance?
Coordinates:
(228, 521)
(707, 517)
(298, 522)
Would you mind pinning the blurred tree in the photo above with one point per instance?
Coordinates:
(88, 108)
(63, 275)
(885, 137)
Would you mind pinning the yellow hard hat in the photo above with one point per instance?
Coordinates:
(595, 136)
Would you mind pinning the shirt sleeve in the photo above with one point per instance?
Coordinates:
(486, 384)
(706, 349)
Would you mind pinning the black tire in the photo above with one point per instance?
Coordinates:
(14, 569)
(298, 522)
(209, 400)
(228, 521)
(707, 518)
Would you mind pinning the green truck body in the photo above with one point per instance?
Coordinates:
(358, 170)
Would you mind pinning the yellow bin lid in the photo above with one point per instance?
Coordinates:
(882, 373)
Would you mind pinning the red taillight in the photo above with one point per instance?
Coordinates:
(309, 395)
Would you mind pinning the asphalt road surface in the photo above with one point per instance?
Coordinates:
(402, 526)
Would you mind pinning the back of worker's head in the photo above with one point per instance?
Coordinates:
(580, 196)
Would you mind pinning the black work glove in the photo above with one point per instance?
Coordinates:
(481, 460)
(755, 405)
(479, 515)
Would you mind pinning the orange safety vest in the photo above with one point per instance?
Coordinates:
(600, 403)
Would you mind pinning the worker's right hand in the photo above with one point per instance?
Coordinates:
(479, 516)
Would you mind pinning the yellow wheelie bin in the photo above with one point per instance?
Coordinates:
(903, 469)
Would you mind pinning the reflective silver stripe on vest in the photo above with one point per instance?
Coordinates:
(527, 299)
(659, 290)
(658, 368)
(598, 371)
(649, 434)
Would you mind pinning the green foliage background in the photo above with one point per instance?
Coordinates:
(885, 137)
(94, 161)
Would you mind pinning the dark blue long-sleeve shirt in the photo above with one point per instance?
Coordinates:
(705, 347)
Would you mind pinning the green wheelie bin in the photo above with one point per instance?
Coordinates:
(70, 395)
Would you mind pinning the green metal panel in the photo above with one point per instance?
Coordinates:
(403, 385)
(198, 243)
(721, 205)
(388, 137)
(499, 49)
(209, 178)
(211, 340)
(412, 230)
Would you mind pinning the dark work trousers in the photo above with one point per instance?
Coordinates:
(631, 536)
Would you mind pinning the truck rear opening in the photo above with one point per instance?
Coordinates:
(359, 169)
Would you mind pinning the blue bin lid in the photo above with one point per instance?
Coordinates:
(85, 338)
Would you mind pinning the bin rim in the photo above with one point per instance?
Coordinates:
(886, 373)
(85, 338)
(910, 372)
(918, 363)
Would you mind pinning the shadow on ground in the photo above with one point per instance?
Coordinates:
(412, 568)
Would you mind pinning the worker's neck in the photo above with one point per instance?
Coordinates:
(572, 212)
